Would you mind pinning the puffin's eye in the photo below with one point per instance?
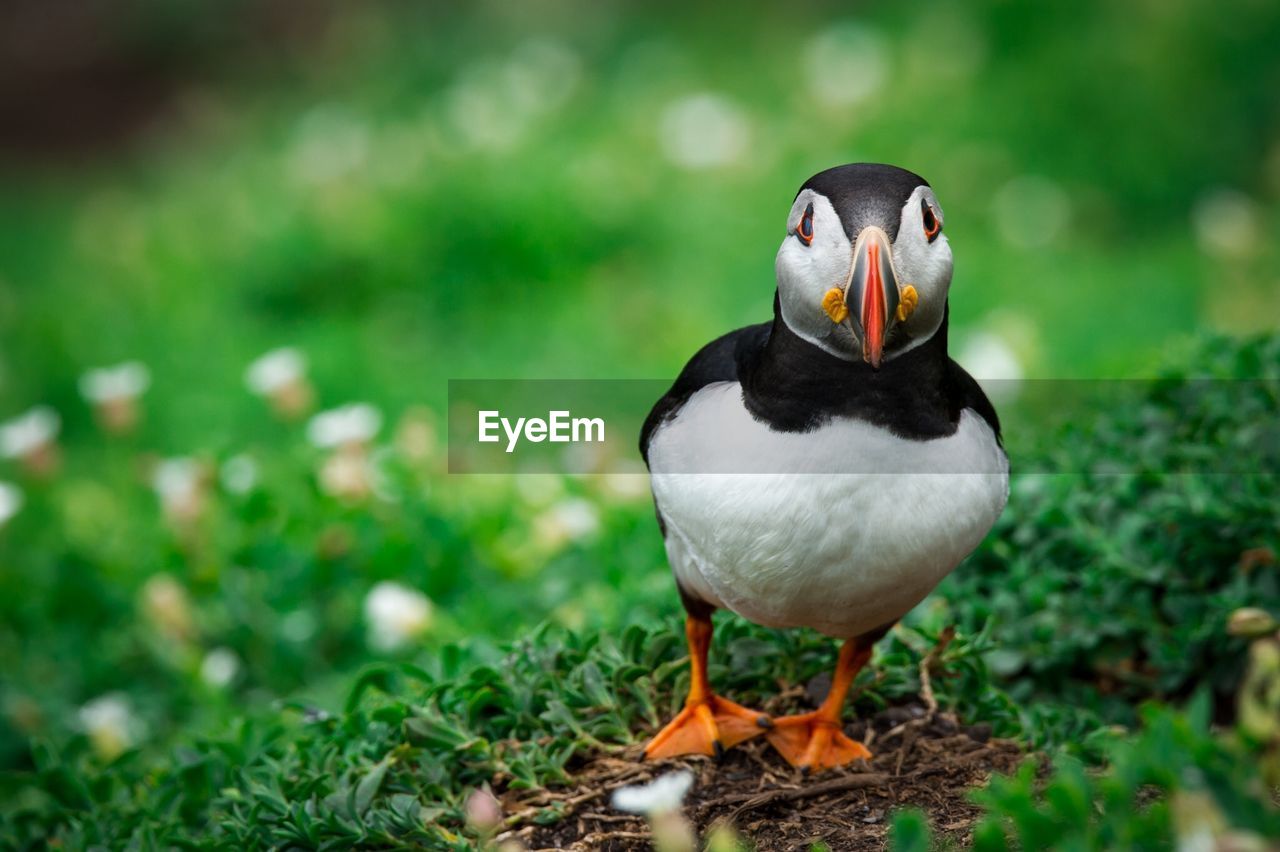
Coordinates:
(805, 229)
(932, 226)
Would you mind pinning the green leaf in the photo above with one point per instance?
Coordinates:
(369, 784)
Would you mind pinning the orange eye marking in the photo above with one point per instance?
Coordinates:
(804, 230)
(932, 225)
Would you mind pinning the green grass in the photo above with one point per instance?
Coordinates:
(1057, 587)
(392, 767)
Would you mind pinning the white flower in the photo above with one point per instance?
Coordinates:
(573, 519)
(416, 435)
(109, 724)
(988, 357)
(664, 794)
(846, 64)
(627, 483)
(177, 483)
(1226, 223)
(239, 474)
(29, 432)
(219, 667)
(578, 517)
(396, 615)
(703, 131)
(275, 370)
(122, 381)
(356, 423)
(348, 473)
(992, 361)
(166, 605)
(1031, 211)
(10, 501)
(484, 811)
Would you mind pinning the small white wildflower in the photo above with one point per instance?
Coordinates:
(570, 520)
(415, 437)
(29, 432)
(356, 423)
(578, 517)
(167, 607)
(988, 357)
(664, 794)
(10, 501)
(219, 667)
(114, 393)
(348, 473)
(704, 131)
(1226, 223)
(178, 483)
(846, 64)
(122, 381)
(108, 721)
(991, 360)
(625, 486)
(275, 370)
(396, 615)
(280, 376)
(479, 107)
(239, 474)
(484, 811)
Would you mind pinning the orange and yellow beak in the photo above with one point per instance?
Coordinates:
(872, 292)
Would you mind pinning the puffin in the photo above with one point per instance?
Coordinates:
(826, 469)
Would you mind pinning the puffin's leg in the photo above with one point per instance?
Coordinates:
(708, 724)
(814, 741)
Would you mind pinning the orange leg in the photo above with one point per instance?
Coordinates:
(814, 741)
(708, 724)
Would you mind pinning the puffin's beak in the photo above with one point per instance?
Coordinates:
(872, 294)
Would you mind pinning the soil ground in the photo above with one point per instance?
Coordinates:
(929, 762)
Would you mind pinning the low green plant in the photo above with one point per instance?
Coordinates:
(394, 766)
(1113, 582)
(1175, 782)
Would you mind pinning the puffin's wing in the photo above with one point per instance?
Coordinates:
(718, 361)
(965, 392)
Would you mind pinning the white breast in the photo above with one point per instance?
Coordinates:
(842, 529)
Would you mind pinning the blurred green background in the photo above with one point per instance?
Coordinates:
(407, 194)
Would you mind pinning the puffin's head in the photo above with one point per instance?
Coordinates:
(864, 270)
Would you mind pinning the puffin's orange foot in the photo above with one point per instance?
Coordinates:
(814, 742)
(706, 727)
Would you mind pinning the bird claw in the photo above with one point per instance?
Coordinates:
(812, 743)
(705, 727)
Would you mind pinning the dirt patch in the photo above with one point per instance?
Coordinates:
(921, 761)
